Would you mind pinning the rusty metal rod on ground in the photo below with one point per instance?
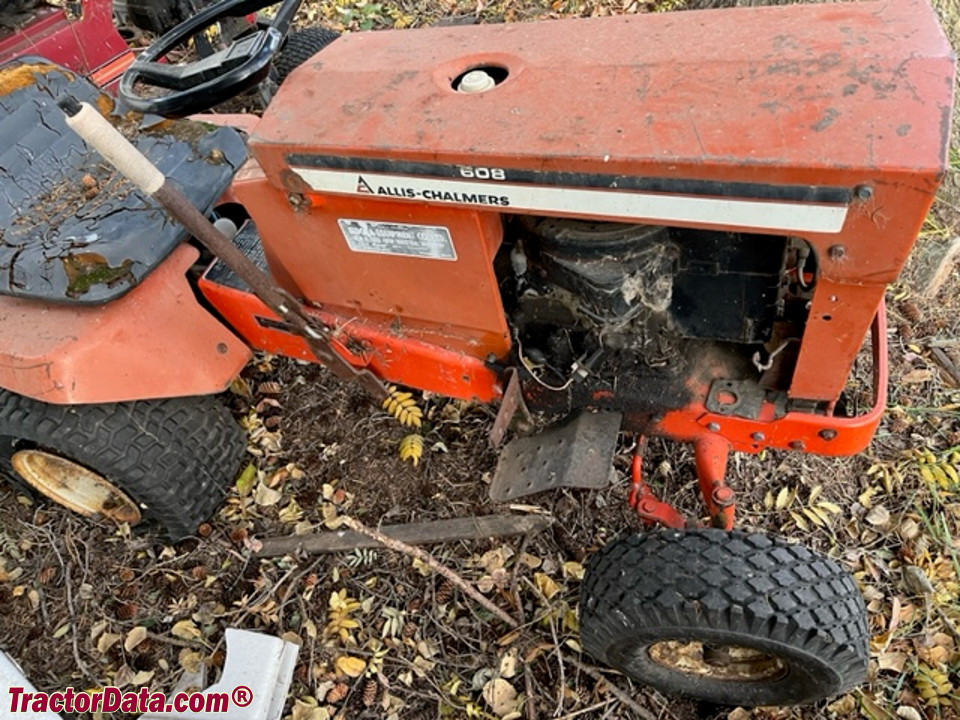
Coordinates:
(97, 132)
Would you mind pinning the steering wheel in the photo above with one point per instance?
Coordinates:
(204, 83)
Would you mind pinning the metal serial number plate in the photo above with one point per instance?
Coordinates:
(383, 238)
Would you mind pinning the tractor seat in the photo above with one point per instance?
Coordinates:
(72, 230)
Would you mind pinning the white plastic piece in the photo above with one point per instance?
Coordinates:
(97, 132)
(476, 81)
(226, 226)
(261, 664)
(12, 676)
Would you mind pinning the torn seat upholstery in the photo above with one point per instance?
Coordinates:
(72, 230)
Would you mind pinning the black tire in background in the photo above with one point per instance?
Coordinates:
(173, 457)
(731, 618)
(300, 46)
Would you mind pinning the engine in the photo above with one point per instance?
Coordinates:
(610, 314)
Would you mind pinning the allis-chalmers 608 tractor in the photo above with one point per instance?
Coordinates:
(677, 225)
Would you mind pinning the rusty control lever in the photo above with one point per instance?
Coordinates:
(119, 152)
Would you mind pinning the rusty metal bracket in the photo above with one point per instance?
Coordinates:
(743, 398)
(649, 507)
(710, 455)
(512, 402)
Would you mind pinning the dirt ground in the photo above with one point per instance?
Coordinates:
(384, 637)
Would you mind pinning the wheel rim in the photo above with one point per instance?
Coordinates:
(74, 486)
(717, 662)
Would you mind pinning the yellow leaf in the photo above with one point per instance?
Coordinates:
(350, 666)
(546, 585)
(814, 518)
(814, 494)
(573, 570)
(185, 630)
(246, 480)
(783, 498)
(134, 638)
(798, 519)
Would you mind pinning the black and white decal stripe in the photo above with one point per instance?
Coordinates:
(783, 208)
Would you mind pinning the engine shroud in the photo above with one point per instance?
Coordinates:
(703, 284)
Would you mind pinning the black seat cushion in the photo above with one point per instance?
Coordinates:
(71, 228)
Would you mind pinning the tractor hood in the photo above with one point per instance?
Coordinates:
(821, 97)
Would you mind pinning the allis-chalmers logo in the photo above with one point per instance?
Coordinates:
(433, 194)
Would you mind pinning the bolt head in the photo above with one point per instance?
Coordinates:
(863, 192)
(836, 252)
(828, 433)
(757, 436)
(723, 495)
(713, 427)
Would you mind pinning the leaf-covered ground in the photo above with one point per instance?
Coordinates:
(382, 636)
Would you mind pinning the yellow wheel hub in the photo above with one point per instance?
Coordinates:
(74, 486)
(724, 662)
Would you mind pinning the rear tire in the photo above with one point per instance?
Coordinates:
(727, 617)
(172, 457)
(300, 46)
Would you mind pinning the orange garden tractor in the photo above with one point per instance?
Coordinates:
(677, 225)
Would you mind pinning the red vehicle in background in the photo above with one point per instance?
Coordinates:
(79, 35)
(83, 35)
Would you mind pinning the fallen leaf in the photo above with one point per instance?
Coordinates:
(879, 517)
(573, 570)
(546, 585)
(350, 666)
(500, 696)
(266, 496)
(61, 631)
(894, 661)
(142, 677)
(134, 638)
(919, 375)
(107, 641)
(508, 664)
(246, 480)
(186, 630)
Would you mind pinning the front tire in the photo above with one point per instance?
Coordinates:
(727, 617)
(172, 458)
(300, 46)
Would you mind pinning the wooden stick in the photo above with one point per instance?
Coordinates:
(423, 533)
(433, 563)
(944, 361)
(944, 266)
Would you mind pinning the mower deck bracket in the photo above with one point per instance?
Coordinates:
(576, 454)
(511, 403)
(744, 398)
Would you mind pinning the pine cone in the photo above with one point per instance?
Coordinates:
(905, 330)
(370, 689)
(444, 593)
(338, 692)
(409, 630)
(910, 311)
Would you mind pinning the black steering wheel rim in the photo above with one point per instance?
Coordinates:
(202, 84)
